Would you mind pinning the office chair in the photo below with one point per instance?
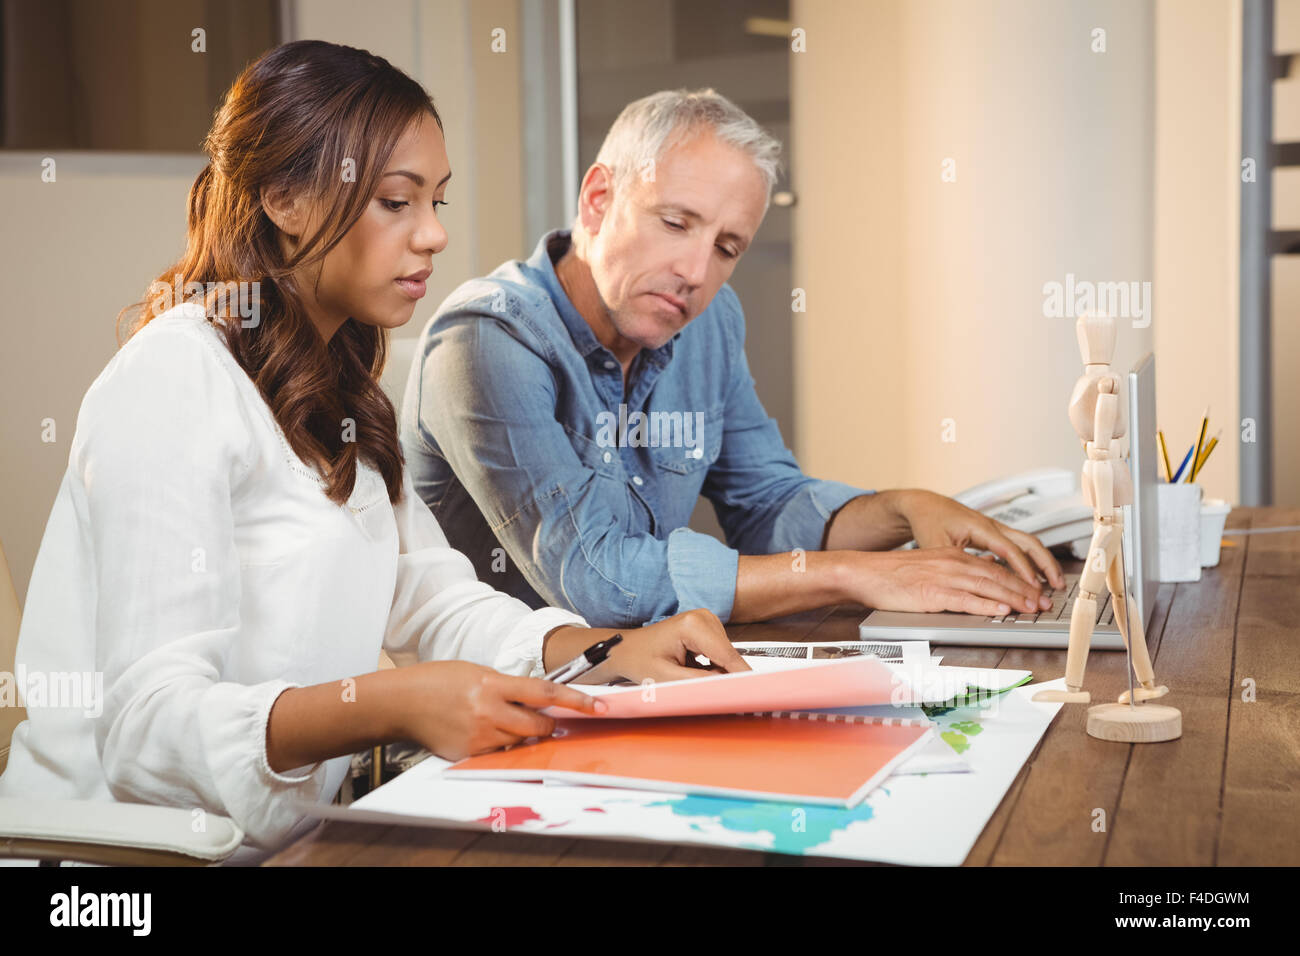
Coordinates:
(94, 831)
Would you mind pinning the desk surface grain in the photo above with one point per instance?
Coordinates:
(1226, 793)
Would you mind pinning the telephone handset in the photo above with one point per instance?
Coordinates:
(1045, 502)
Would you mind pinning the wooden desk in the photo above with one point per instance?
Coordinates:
(1226, 793)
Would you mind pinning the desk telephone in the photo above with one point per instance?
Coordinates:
(1045, 502)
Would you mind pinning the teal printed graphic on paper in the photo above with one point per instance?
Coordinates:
(791, 832)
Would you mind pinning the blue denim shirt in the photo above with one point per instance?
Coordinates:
(564, 491)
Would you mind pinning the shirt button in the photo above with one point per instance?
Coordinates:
(698, 453)
(608, 457)
(636, 480)
(610, 364)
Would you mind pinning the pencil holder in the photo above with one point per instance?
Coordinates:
(1214, 513)
(1178, 508)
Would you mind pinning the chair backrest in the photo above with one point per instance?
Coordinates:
(10, 717)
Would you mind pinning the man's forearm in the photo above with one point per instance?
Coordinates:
(773, 585)
(874, 522)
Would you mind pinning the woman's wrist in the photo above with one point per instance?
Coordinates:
(566, 642)
(549, 657)
(385, 719)
(310, 724)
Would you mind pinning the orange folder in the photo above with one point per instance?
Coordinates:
(810, 758)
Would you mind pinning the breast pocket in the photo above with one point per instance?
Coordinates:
(682, 465)
(689, 446)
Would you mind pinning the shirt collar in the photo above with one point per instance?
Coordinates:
(558, 241)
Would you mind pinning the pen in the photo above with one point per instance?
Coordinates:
(584, 661)
(1186, 458)
(1164, 453)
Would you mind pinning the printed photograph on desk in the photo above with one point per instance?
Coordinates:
(896, 652)
(663, 433)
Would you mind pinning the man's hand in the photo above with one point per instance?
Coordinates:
(934, 579)
(939, 522)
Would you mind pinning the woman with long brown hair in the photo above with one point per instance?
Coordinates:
(236, 536)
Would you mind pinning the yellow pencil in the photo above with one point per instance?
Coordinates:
(1200, 444)
(1164, 453)
(1205, 455)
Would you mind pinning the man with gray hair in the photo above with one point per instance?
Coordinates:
(564, 414)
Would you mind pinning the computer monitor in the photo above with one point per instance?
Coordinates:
(1141, 520)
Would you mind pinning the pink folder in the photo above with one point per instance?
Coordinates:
(849, 682)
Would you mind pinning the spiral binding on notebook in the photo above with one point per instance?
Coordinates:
(845, 718)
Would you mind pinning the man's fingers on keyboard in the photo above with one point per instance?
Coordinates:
(963, 602)
(992, 590)
(1022, 596)
(1018, 561)
(1046, 562)
(1033, 592)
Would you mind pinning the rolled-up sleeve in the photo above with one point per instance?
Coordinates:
(163, 443)
(801, 520)
(703, 571)
(441, 611)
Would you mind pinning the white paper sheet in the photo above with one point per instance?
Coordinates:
(931, 820)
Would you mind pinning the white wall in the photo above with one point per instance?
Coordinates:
(1197, 229)
(72, 253)
(925, 297)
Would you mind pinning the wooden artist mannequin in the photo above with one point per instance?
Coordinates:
(1096, 416)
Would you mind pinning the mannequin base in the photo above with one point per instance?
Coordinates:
(1144, 724)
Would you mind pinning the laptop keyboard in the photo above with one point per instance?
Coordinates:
(1062, 607)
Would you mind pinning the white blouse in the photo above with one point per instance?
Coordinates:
(193, 560)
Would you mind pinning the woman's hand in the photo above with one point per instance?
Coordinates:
(456, 709)
(666, 650)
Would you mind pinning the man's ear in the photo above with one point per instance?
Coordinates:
(595, 197)
(284, 209)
